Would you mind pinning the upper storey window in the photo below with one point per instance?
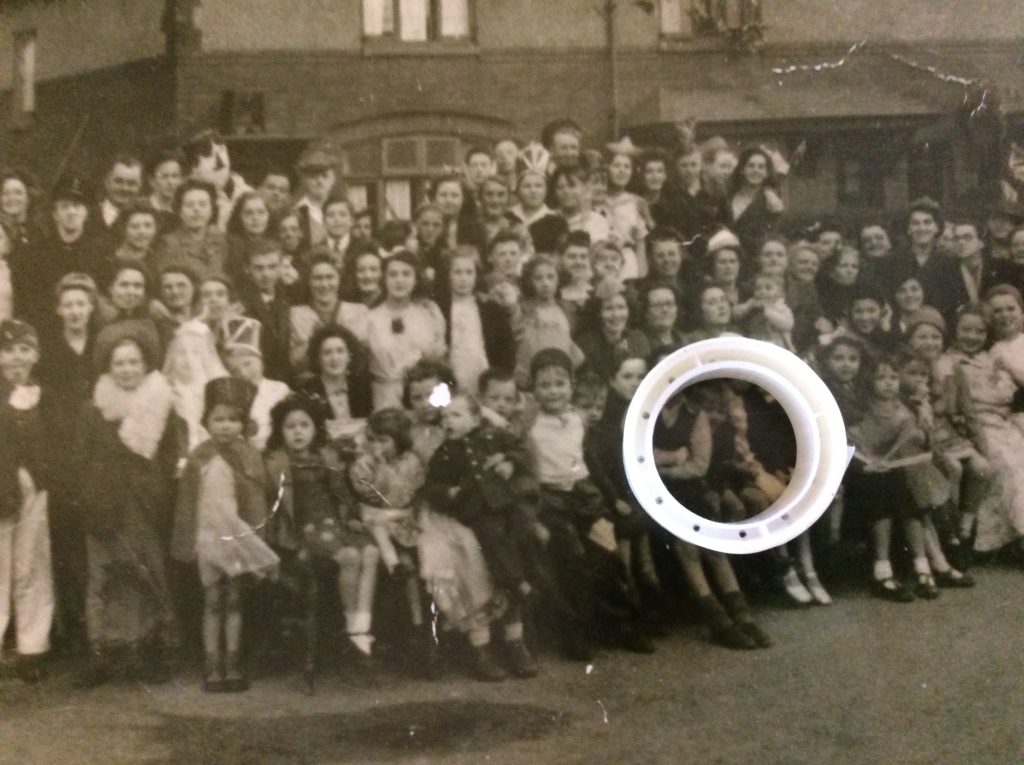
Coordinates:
(417, 20)
(737, 20)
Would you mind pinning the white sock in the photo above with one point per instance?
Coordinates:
(921, 566)
(513, 632)
(883, 570)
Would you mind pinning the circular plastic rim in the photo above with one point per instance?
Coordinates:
(822, 453)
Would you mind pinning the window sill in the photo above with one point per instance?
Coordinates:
(674, 43)
(390, 47)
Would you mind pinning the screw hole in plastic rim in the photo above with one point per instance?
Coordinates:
(822, 454)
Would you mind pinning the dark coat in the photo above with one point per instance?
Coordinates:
(143, 490)
(252, 487)
(460, 463)
(499, 342)
(939, 276)
(752, 225)
(360, 397)
(276, 329)
(36, 269)
(24, 443)
(285, 527)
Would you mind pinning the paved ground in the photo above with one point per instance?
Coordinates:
(862, 681)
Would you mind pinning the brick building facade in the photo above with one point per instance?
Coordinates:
(889, 99)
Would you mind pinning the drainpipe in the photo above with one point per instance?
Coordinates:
(613, 66)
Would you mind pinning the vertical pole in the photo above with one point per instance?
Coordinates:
(613, 66)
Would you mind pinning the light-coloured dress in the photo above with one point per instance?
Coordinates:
(986, 388)
(397, 340)
(226, 545)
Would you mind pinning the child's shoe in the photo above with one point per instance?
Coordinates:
(97, 671)
(213, 674)
(925, 587)
(732, 636)
(30, 669)
(892, 590)
(755, 633)
(953, 579)
(795, 589)
(235, 680)
(818, 592)
(484, 667)
(522, 662)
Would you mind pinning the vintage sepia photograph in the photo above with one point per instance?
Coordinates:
(319, 325)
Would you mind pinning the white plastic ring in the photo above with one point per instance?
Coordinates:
(822, 454)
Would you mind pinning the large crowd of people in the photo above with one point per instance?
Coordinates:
(231, 405)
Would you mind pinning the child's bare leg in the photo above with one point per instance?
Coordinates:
(648, 572)
(977, 485)
(624, 551)
(932, 546)
(233, 674)
(881, 545)
(412, 591)
(368, 579)
(213, 613)
(233, 615)
(806, 557)
(388, 553)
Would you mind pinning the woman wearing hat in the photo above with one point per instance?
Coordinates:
(546, 227)
(130, 444)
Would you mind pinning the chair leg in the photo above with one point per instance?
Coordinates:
(312, 628)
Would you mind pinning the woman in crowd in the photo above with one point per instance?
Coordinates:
(405, 327)
(138, 226)
(196, 243)
(628, 214)
(249, 222)
(723, 257)
(16, 213)
(338, 375)
(715, 315)
(659, 307)
(978, 395)
(479, 331)
(325, 308)
(572, 191)
(363, 276)
(459, 208)
(608, 332)
(129, 430)
(755, 201)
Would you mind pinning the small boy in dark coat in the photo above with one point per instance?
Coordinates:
(478, 476)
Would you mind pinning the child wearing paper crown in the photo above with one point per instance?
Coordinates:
(26, 581)
(244, 360)
(221, 511)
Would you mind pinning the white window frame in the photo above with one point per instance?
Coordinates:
(418, 21)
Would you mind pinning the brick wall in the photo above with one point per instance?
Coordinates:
(123, 107)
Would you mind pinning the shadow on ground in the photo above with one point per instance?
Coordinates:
(423, 729)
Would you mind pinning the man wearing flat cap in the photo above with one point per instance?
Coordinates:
(316, 178)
